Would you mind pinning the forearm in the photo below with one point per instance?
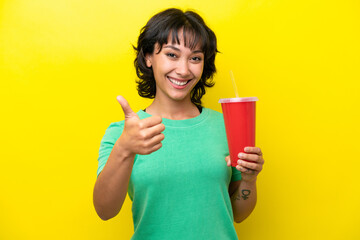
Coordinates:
(111, 186)
(243, 200)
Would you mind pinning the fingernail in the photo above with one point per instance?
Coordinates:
(241, 155)
(246, 149)
(239, 162)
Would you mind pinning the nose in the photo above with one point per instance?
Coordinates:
(182, 68)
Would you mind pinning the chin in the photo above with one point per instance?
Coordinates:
(179, 97)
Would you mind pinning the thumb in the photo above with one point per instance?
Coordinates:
(228, 162)
(129, 113)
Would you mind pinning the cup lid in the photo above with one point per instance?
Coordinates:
(244, 99)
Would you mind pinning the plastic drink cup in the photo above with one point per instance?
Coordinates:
(239, 119)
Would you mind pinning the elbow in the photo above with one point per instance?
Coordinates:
(105, 208)
(103, 215)
(238, 220)
(102, 209)
(241, 217)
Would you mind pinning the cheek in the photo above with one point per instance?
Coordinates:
(197, 69)
(200, 70)
(162, 66)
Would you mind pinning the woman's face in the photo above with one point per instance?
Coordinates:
(176, 68)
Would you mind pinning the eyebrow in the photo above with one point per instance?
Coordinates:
(177, 49)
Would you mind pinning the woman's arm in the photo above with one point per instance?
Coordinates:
(111, 185)
(140, 136)
(243, 199)
(243, 193)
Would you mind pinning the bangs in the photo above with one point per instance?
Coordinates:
(193, 37)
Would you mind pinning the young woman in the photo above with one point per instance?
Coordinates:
(170, 156)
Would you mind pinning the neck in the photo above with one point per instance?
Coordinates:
(173, 110)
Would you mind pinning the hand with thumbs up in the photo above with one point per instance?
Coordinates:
(140, 136)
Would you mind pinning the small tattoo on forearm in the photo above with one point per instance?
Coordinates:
(236, 197)
(245, 194)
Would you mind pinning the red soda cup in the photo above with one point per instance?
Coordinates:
(239, 119)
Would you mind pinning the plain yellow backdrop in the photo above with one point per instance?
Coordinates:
(62, 64)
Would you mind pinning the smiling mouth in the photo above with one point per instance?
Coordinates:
(178, 83)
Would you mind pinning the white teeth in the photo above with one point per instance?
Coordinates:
(178, 82)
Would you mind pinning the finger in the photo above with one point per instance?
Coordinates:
(154, 140)
(250, 165)
(250, 157)
(154, 148)
(153, 131)
(128, 112)
(253, 150)
(245, 170)
(151, 121)
(228, 161)
(152, 144)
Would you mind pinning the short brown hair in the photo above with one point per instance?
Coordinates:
(157, 30)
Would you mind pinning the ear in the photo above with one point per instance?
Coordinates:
(148, 60)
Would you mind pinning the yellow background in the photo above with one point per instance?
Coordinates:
(62, 64)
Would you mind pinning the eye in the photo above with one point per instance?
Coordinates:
(171, 55)
(196, 59)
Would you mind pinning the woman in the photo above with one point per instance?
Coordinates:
(168, 157)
